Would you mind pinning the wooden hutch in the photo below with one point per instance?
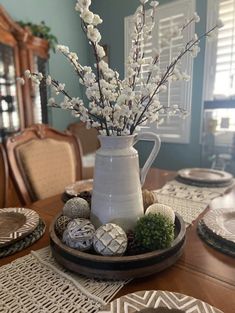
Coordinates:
(20, 106)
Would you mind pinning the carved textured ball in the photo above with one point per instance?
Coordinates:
(76, 208)
(163, 210)
(79, 234)
(61, 224)
(110, 239)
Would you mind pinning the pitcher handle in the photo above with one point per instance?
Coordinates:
(157, 144)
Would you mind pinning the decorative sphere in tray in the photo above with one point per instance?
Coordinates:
(118, 267)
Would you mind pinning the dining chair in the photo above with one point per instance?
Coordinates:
(89, 142)
(43, 161)
(3, 177)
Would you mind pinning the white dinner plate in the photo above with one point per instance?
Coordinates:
(79, 186)
(222, 223)
(152, 301)
(205, 175)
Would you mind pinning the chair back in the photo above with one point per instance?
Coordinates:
(88, 137)
(43, 161)
(3, 177)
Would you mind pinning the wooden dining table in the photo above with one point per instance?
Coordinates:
(201, 272)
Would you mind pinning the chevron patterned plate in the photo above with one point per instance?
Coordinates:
(16, 223)
(153, 301)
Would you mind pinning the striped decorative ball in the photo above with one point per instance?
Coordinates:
(163, 210)
(76, 208)
(79, 234)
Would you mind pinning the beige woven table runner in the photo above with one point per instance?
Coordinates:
(37, 284)
(188, 201)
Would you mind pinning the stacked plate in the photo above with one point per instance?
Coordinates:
(19, 227)
(217, 228)
(204, 177)
(76, 188)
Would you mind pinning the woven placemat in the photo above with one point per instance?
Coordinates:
(214, 240)
(25, 242)
(36, 283)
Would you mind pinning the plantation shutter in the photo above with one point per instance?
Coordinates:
(174, 129)
(225, 57)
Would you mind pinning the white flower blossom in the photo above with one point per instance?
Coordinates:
(82, 4)
(87, 16)
(51, 101)
(100, 51)
(119, 106)
(66, 104)
(93, 34)
(48, 80)
(154, 4)
(195, 50)
(35, 80)
(196, 17)
(95, 124)
(73, 56)
(96, 20)
(89, 78)
(61, 87)
(20, 80)
(40, 76)
(27, 74)
(62, 48)
(87, 69)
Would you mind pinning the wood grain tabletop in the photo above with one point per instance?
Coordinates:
(201, 272)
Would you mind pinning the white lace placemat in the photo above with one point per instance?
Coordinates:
(189, 201)
(37, 284)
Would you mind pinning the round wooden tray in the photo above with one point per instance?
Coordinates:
(121, 267)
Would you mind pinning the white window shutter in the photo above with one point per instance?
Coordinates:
(211, 49)
(173, 129)
(225, 58)
(219, 74)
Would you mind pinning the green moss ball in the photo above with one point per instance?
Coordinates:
(154, 231)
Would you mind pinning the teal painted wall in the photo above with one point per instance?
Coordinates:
(171, 156)
(65, 24)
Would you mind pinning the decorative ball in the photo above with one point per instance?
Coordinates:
(110, 239)
(133, 247)
(79, 234)
(163, 210)
(61, 224)
(148, 198)
(86, 195)
(76, 208)
(154, 231)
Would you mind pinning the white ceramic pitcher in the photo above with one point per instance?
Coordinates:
(117, 195)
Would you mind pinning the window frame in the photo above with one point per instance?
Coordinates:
(183, 131)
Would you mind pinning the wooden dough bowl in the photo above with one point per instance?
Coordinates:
(118, 267)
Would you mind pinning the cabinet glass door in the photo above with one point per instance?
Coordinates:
(40, 93)
(9, 110)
